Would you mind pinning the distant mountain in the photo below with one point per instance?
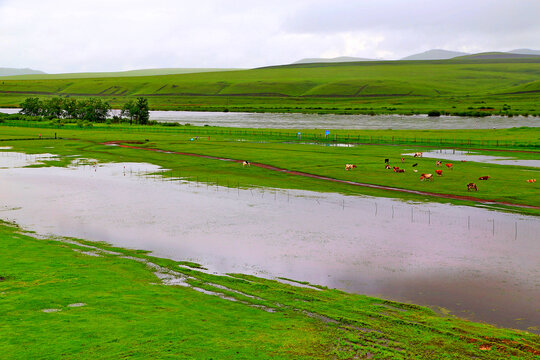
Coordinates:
(13, 71)
(525, 51)
(497, 55)
(435, 54)
(332, 60)
(129, 73)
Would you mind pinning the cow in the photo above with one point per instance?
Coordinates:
(400, 170)
(415, 165)
(386, 161)
(439, 172)
(450, 166)
(402, 160)
(438, 163)
(426, 177)
(531, 180)
(246, 163)
(472, 186)
(387, 167)
(349, 166)
(484, 177)
(418, 154)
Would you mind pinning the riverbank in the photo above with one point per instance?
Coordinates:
(70, 298)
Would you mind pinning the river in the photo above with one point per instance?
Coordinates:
(330, 121)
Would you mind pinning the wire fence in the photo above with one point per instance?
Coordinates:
(294, 136)
(467, 220)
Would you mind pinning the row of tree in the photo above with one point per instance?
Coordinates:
(92, 109)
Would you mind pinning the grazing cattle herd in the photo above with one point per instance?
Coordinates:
(424, 176)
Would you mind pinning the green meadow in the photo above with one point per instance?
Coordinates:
(74, 299)
(283, 149)
(461, 87)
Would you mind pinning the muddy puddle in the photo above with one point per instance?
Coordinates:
(478, 263)
(465, 155)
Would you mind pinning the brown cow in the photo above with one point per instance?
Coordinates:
(439, 172)
(450, 166)
(418, 154)
(438, 163)
(472, 186)
(531, 180)
(387, 167)
(426, 177)
(484, 177)
(246, 163)
(350, 166)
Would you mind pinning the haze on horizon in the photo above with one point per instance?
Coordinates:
(61, 36)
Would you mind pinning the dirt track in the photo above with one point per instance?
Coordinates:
(354, 183)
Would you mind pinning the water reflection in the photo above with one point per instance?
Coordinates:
(478, 263)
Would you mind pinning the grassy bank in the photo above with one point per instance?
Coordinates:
(461, 87)
(506, 183)
(75, 299)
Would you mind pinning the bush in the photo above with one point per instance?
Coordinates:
(434, 113)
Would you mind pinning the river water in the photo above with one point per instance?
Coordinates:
(330, 121)
(479, 264)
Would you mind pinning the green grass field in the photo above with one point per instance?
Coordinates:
(498, 86)
(71, 301)
(507, 183)
(129, 313)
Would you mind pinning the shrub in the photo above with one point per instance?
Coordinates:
(434, 113)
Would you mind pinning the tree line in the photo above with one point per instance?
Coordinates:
(91, 110)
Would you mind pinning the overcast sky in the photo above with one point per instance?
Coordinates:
(108, 35)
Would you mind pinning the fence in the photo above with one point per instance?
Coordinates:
(293, 136)
(378, 211)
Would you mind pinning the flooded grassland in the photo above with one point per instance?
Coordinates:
(477, 263)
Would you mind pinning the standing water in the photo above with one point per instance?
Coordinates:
(478, 263)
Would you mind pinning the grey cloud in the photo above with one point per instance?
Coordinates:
(109, 35)
(484, 16)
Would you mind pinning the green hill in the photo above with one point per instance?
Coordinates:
(353, 87)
